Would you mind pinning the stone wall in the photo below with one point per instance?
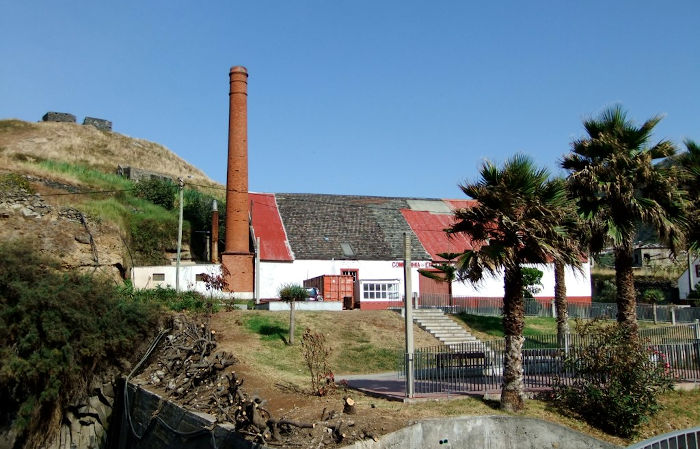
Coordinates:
(58, 117)
(138, 174)
(101, 124)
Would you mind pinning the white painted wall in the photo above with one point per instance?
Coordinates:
(577, 284)
(683, 285)
(275, 274)
(142, 278)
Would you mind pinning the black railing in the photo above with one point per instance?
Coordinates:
(545, 308)
(478, 366)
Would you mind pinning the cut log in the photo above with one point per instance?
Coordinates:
(348, 406)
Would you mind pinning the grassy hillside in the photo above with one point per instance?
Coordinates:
(76, 144)
(66, 163)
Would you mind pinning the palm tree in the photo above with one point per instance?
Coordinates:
(617, 187)
(574, 240)
(514, 222)
(690, 162)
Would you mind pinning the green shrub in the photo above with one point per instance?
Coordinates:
(653, 295)
(158, 191)
(197, 211)
(618, 380)
(13, 181)
(57, 331)
(293, 292)
(170, 299)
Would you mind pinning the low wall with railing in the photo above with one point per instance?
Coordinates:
(545, 308)
(478, 366)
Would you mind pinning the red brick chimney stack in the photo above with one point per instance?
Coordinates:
(237, 258)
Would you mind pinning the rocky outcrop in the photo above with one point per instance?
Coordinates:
(85, 424)
(66, 233)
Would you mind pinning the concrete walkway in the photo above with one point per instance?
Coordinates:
(389, 386)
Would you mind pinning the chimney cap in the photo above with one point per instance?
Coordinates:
(238, 69)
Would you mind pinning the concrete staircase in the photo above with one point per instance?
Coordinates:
(442, 327)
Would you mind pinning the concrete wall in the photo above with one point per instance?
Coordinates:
(277, 306)
(494, 432)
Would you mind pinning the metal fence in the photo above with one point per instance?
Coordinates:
(478, 366)
(680, 439)
(545, 308)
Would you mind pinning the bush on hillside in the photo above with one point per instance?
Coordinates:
(151, 236)
(197, 211)
(158, 191)
(10, 182)
(169, 298)
(617, 380)
(57, 331)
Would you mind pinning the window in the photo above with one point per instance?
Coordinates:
(158, 276)
(347, 250)
(381, 290)
(199, 277)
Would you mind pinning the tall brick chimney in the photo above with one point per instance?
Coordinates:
(237, 258)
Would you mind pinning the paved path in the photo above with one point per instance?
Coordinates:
(390, 386)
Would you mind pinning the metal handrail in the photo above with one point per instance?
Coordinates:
(686, 438)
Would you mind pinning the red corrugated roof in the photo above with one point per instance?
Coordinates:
(268, 226)
(460, 204)
(430, 229)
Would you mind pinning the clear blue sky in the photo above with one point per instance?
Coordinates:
(389, 98)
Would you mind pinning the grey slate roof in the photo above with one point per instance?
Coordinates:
(317, 225)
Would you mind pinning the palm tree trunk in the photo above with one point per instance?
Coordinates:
(512, 393)
(291, 322)
(626, 296)
(560, 304)
(449, 292)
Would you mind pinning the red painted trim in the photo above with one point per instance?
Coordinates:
(379, 305)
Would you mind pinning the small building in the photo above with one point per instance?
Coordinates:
(304, 236)
(652, 254)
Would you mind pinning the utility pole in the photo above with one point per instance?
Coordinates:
(408, 305)
(181, 185)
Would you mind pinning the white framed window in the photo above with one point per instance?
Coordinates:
(381, 290)
(158, 277)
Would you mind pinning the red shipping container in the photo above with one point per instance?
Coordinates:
(333, 287)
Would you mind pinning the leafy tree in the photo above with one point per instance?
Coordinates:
(515, 222)
(532, 281)
(292, 293)
(617, 186)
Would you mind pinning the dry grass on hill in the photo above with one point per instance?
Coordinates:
(85, 145)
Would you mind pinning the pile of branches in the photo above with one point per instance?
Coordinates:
(193, 374)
